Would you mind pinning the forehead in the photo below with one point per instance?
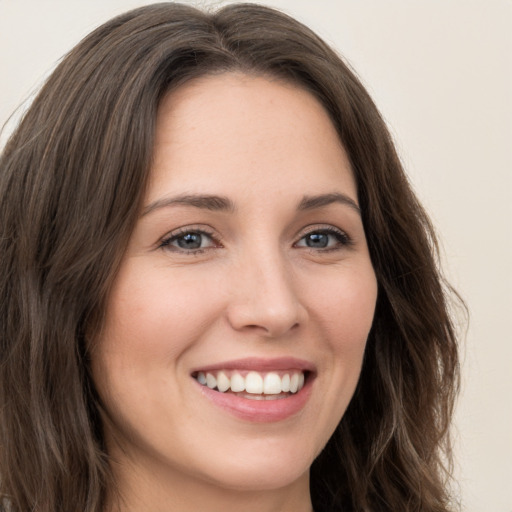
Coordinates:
(228, 130)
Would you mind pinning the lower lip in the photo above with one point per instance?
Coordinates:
(260, 411)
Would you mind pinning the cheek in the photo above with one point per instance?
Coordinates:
(152, 320)
(346, 307)
(153, 313)
(343, 313)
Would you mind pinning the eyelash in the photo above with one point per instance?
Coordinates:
(166, 242)
(342, 238)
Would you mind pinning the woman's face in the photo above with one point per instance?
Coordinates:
(248, 268)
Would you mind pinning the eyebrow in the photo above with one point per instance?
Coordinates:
(319, 201)
(206, 202)
(224, 204)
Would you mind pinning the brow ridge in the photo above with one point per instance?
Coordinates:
(221, 203)
(321, 200)
(207, 202)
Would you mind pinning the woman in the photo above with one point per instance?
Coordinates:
(218, 290)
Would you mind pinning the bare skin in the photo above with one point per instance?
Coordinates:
(250, 248)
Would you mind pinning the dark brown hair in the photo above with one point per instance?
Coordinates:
(71, 181)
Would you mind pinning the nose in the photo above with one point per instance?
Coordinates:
(264, 298)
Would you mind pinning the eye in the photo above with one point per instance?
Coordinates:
(190, 241)
(324, 239)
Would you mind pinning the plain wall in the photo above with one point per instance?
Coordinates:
(441, 73)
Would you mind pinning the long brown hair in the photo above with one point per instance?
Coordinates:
(71, 181)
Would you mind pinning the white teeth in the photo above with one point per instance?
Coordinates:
(237, 383)
(223, 382)
(270, 384)
(254, 383)
(211, 381)
(294, 383)
(285, 383)
(301, 381)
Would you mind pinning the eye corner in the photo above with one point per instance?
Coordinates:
(324, 238)
(190, 241)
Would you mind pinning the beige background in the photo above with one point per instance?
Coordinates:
(441, 72)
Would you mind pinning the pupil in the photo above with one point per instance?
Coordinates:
(190, 241)
(317, 240)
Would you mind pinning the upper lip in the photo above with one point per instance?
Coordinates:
(260, 364)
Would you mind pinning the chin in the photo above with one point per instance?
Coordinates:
(267, 476)
(260, 465)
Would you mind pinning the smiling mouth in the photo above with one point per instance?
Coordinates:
(253, 385)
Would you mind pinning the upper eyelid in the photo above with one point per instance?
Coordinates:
(217, 238)
(320, 227)
(204, 229)
(166, 240)
(344, 239)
